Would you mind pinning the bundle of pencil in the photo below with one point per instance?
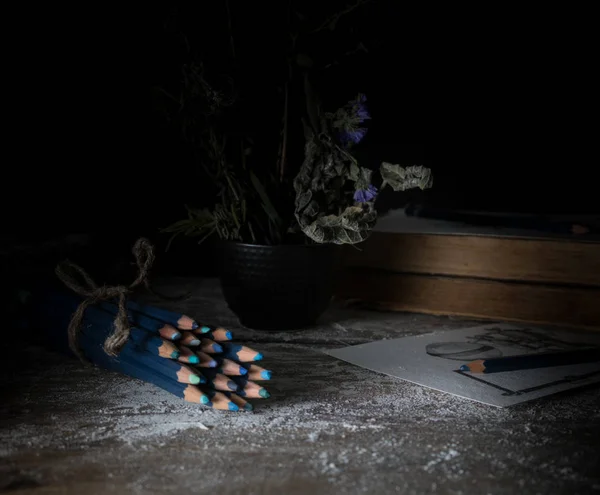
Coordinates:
(191, 360)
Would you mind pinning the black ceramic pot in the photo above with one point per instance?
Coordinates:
(280, 287)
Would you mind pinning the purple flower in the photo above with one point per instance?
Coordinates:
(360, 109)
(364, 195)
(352, 136)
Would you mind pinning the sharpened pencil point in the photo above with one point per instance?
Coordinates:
(233, 407)
(265, 374)
(175, 354)
(194, 325)
(248, 407)
(194, 379)
(205, 329)
(205, 400)
(464, 367)
(264, 393)
(176, 336)
(194, 359)
(258, 357)
(217, 348)
(228, 335)
(212, 364)
(243, 371)
(232, 385)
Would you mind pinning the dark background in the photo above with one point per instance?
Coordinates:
(509, 115)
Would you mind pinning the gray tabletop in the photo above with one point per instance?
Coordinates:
(329, 427)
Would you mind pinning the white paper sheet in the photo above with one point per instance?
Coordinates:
(433, 360)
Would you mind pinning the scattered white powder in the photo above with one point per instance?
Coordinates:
(327, 425)
(443, 456)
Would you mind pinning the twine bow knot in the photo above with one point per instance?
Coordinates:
(143, 252)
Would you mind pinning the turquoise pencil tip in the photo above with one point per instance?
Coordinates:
(233, 407)
(217, 348)
(205, 400)
(228, 335)
(194, 325)
(205, 329)
(248, 407)
(175, 354)
(232, 385)
(264, 393)
(265, 375)
(258, 357)
(464, 367)
(194, 359)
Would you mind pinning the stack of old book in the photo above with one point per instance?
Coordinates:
(519, 268)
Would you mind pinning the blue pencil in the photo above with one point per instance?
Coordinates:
(256, 373)
(248, 388)
(133, 352)
(532, 361)
(238, 401)
(210, 346)
(240, 353)
(219, 381)
(229, 367)
(124, 365)
(189, 339)
(180, 321)
(102, 324)
(221, 400)
(141, 320)
(60, 304)
(218, 334)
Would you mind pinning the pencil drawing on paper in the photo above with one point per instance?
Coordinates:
(497, 363)
(520, 341)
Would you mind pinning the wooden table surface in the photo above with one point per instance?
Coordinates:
(329, 427)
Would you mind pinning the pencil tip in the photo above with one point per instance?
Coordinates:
(258, 357)
(464, 367)
(228, 335)
(264, 393)
(194, 359)
(232, 385)
(195, 342)
(194, 325)
(243, 371)
(217, 348)
(176, 336)
(205, 329)
(248, 407)
(205, 400)
(194, 379)
(265, 375)
(233, 407)
(175, 354)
